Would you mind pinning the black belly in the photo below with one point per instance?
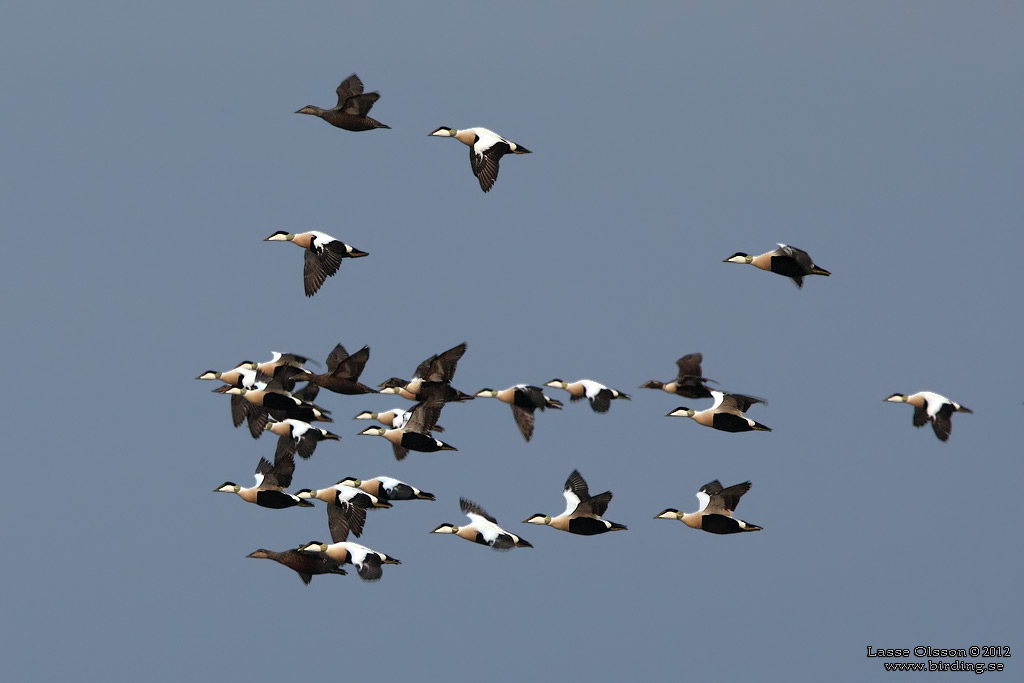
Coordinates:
(275, 499)
(586, 526)
(415, 441)
(727, 422)
(785, 265)
(719, 524)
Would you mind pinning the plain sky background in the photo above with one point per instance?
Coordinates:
(148, 148)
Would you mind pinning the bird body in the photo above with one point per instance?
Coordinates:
(415, 434)
(726, 414)
(271, 480)
(298, 436)
(582, 511)
(716, 507)
(351, 111)
(323, 255)
(482, 529)
(343, 370)
(599, 395)
(432, 376)
(934, 408)
(524, 399)
(786, 260)
(366, 561)
(688, 381)
(346, 508)
(242, 375)
(305, 564)
(485, 150)
(387, 488)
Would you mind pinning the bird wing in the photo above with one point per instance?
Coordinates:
(352, 367)
(689, 365)
(337, 355)
(349, 87)
(441, 367)
(710, 489)
(285, 446)
(360, 105)
(307, 443)
(523, 415)
(400, 451)
(424, 415)
(921, 415)
(728, 499)
(344, 517)
(575, 492)
(601, 401)
(595, 505)
(485, 162)
(239, 409)
(320, 263)
(279, 475)
(739, 402)
(369, 567)
(258, 417)
(475, 512)
(802, 258)
(942, 422)
(308, 393)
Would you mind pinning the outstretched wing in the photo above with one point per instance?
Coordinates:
(471, 508)
(350, 87)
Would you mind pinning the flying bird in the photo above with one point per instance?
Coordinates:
(271, 482)
(716, 507)
(351, 111)
(599, 395)
(323, 255)
(482, 529)
(296, 436)
(931, 407)
(346, 508)
(343, 370)
(726, 414)
(524, 399)
(366, 561)
(305, 564)
(789, 261)
(582, 511)
(387, 488)
(415, 434)
(485, 150)
(689, 381)
(436, 371)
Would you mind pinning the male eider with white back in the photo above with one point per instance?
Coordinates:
(934, 408)
(599, 395)
(786, 260)
(726, 414)
(716, 507)
(323, 255)
(482, 529)
(485, 150)
(582, 511)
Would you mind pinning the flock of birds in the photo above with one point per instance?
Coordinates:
(266, 398)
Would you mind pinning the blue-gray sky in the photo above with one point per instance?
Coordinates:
(149, 148)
